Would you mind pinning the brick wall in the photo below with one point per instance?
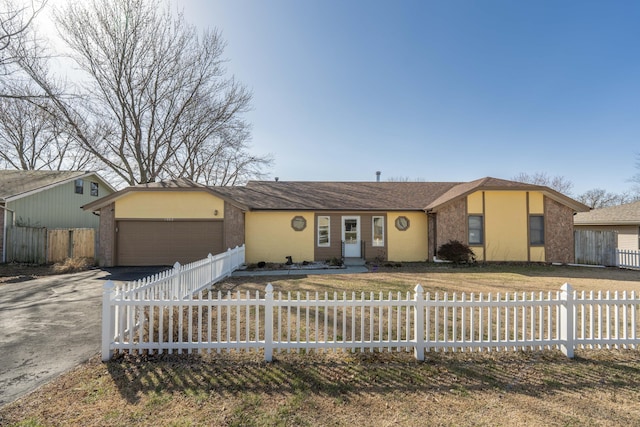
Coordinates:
(107, 236)
(233, 226)
(559, 243)
(451, 224)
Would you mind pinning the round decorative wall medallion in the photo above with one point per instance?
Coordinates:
(402, 223)
(298, 223)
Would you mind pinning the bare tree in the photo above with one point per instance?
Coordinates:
(558, 183)
(16, 18)
(153, 100)
(32, 138)
(600, 198)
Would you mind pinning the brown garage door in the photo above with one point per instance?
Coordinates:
(165, 242)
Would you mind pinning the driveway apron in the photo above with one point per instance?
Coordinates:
(47, 326)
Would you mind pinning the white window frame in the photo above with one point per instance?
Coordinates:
(328, 226)
(373, 231)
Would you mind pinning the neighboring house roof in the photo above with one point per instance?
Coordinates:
(15, 184)
(627, 214)
(351, 196)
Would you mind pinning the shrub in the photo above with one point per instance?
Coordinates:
(456, 252)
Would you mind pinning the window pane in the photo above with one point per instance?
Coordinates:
(323, 231)
(475, 230)
(536, 230)
(378, 231)
(79, 186)
(94, 189)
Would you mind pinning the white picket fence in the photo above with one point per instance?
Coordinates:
(628, 259)
(418, 322)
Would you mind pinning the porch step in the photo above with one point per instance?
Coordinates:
(354, 261)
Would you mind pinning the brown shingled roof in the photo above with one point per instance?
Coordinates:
(628, 213)
(307, 195)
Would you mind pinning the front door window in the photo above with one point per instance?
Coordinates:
(351, 236)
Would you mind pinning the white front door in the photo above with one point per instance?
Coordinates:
(351, 236)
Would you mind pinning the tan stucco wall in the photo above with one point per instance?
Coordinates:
(411, 244)
(506, 226)
(270, 238)
(169, 204)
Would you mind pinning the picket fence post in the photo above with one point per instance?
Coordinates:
(268, 323)
(176, 280)
(567, 333)
(418, 350)
(108, 319)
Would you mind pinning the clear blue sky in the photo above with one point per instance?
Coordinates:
(438, 90)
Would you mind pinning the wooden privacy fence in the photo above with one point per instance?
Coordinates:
(593, 247)
(39, 245)
(418, 322)
(628, 259)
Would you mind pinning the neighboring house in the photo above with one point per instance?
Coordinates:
(50, 199)
(622, 219)
(397, 221)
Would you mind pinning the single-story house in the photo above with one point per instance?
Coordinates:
(179, 220)
(622, 219)
(50, 199)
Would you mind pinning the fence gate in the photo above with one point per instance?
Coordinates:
(594, 247)
(37, 245)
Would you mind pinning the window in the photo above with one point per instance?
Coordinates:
(324, 225)
(378, 231)
(94, 189)
(536, 230)
(476, 232)
(79, 186)
(298, 223)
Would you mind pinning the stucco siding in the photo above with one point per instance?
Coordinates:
(170, 204)
(270, 237)
(559, 240)
(411, 244)
(506, 225)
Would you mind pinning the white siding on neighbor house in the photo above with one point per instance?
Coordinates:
(628, 238)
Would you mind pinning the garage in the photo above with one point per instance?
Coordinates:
(153, 242)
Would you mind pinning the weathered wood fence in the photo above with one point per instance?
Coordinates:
(593, 247)
(39, 245)
(418, 322)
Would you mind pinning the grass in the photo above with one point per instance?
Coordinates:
(336, 389)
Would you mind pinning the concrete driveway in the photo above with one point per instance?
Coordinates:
(51, 325)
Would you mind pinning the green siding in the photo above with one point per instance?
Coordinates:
(59, 207)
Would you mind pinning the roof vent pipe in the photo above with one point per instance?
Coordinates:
(378, 176)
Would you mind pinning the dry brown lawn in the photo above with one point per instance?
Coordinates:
(598, 387)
